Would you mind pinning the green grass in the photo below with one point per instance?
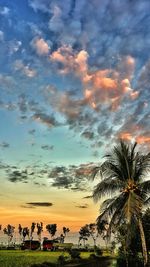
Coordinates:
(19, 258)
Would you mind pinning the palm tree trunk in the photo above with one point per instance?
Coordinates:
(143, 241)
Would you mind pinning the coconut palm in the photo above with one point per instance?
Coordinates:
(124, 179)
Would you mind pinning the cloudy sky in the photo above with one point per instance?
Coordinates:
(74, 78)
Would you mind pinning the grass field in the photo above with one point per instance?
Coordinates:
(19, 258)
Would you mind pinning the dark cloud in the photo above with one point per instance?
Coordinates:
(48, 120)
(27, 207)
(4, 145)
(73, 177)
(84, 206)
(40, 204)
(63, 182)
(18, 176)
(88, 135)
(32, 131)
(47, 147)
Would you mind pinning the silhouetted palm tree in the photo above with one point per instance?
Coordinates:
(52, 229)
(124, 174)
(39, 230)
(9, 231)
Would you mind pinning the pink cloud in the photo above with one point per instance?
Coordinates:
(40, 46)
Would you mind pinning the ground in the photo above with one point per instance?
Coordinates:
(19, 258)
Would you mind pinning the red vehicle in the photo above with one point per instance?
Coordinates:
(30, 244)
(49, 245)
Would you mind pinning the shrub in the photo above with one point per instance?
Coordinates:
(98, 251)
(75, 254)
(61, 260)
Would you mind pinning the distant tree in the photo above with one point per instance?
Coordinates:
(0, 227)
(20, 229)
(32, 230)
(84, 234)
(39, 230)
(9, 231)
(25, 232)
(93, 232)
(65, 231)
(52, 229)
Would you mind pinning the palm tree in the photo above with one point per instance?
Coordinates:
(124, 178)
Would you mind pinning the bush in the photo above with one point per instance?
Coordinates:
(98, 251)
(75, 254)
(133, 260)
(61, 260)
(44, 264)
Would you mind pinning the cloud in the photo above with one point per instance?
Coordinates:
(32, 131)
(18, 176)
(74, 178)
(40, 204)
(24, 69)
(84, 206)
(87, 134)
(4, 11)
(4, 145)
(48, 120)
(1, 36)
(39, 5)
(47, 147)
(40, 46)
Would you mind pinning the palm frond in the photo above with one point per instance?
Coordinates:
(106, 187)
(145, 187)
(147, 202)
(112, 206)
(142, 166)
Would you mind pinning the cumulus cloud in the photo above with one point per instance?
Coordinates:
(40, 46)
(24, 69)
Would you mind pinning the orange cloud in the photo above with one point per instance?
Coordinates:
(105, 86)
(126, 136)
(40, 46)
(143, 139)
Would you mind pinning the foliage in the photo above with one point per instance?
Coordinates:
(39, 229)
(93, 232)
(65, 230)
(61, 260)
(32, 230)
(51, 228)
(146, 225)
(98, 251)
(129, 260)
(84, 233)
(75, 254)
(123, 177)
(25, 232)
(9, 231)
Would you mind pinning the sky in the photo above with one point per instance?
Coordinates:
(74, 79)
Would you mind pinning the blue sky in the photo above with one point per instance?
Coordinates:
(74, 78)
